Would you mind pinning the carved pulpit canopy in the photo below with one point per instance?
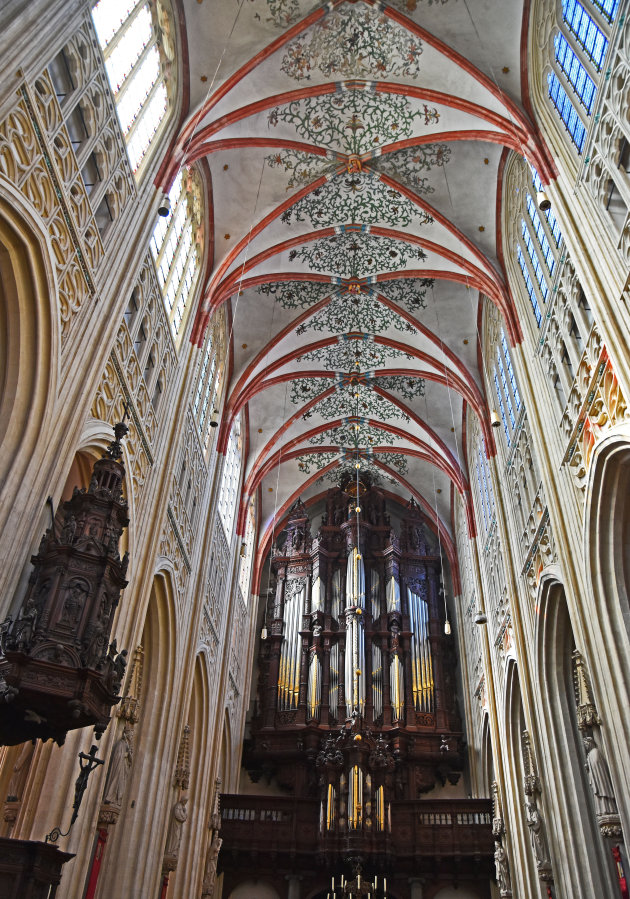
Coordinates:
(58, 669)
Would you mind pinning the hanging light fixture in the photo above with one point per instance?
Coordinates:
(360, 885)
(165, 206)
(542, 201)
(214, 419)
(481, 618)
(495, 421)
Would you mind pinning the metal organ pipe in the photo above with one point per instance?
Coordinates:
(314, 687)
(421, 661)
(377, 680)
(289, 676)
(333, 686)
(355, 634)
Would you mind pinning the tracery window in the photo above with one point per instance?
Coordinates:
(580, 48)
(138, 51)
(230, 478)
(176, 247)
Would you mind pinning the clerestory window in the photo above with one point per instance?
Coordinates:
(133, 44)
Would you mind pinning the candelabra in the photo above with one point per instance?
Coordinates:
(359, 886)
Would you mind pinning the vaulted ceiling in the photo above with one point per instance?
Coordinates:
(355, 152)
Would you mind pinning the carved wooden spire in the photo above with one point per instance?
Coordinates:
(58, 669)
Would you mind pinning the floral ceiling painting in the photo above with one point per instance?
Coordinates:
(356, 171)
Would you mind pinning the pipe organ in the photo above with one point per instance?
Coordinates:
(356, 699)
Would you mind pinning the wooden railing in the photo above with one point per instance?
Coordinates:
(423, 827)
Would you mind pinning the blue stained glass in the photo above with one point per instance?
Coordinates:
(536, 180)
(487, 483)
(587, 34)
(533, 255)
(566, 110)
(554, 226)
(500, 399)
(529, 284)
(510, 368)
(608, 8)
(481, 495)
(577, 76)
(545, 246)
(508, 398)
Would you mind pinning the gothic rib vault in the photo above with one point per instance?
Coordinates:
(354, 151)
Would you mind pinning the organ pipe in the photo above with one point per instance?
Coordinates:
(421, 661)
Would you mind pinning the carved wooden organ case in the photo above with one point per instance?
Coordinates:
(356, 696)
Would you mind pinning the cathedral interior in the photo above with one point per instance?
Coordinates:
(314, 449)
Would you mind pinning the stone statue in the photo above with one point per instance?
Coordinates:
(178, 817)
(503, 872)
(537, 833)
(119, 767)
(599, 777)
(211, 866)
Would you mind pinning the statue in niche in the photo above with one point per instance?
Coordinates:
(211, 866)
(179, 814)
(537, 833)
(25, 625)
(69, 530)
(119, 767)
(599, 778)
(503, 872)
(73, 605)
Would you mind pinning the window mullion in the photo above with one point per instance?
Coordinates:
(182, 282)
(171, 269)
(169, 231)
(530, 268)
(145, 105)
(124, 28)
(124, 87)
(581, 54)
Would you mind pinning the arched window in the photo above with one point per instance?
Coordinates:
(177, 249)
(135, 38)
(480, 473)
(580, 48)
(230, 478)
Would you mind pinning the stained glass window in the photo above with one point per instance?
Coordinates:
(567, 112)
(608, 8)
(533, 255)
(529, 284)
(508, 398)
(501, 407)
(547, 252)
(576, 74)
(588, 35)
(128, 39)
